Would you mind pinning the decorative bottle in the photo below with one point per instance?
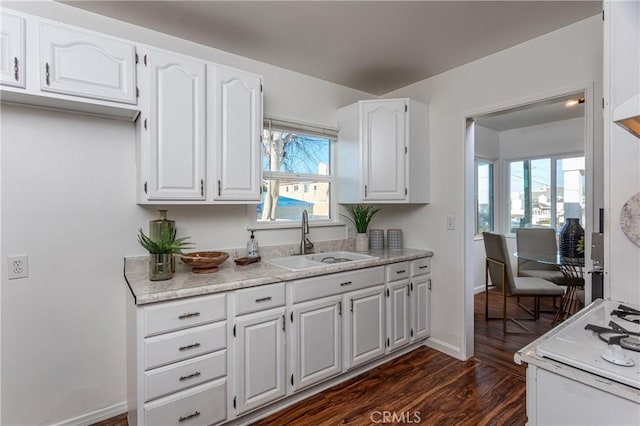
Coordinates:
(252, 247)
(158, 227)
(570, 235)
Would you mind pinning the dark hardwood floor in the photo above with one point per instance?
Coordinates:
(427, 387)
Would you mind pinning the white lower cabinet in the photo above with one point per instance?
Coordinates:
(316, 341)
(365, 321)
(215, 358)
(260, 366)
(398, 327)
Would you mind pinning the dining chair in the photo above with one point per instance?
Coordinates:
(498, 268)
(538, 240)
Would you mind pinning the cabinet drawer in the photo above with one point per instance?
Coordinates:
(397, 271)
(198, 406)
(174, 377)
(171, 316)
(326, 285)
(421, 266)
(259, 298)
(179, 345)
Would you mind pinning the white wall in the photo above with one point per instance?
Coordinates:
(557, 138)
(68, 201)
(622, 150)
(546, 64)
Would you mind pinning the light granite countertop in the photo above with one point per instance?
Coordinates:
(231, 276)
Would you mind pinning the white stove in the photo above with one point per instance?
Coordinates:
(584, 349)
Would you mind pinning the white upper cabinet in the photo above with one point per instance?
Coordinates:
(235, 128)
(388, 141)
(83, 63)
(12, 50)
(173, 127)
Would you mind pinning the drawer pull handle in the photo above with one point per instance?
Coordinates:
(193, 346)
(423, 266)
(345, 283)
(263, 299)
(190, 416)
(402, 271)
(16, 74)
(190, 376)
(189, 315)
(46, 73)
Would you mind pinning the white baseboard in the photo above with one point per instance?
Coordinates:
(96, 416)
(477, 290)
(445, 348)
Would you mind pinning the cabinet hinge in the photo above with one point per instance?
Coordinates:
(137, 92)
(339, 308)
(145, 187)
(406, 107)
(291, 317)
(387, 292)
(388, 343)
(145, 60)
(145, 124)
(284, 322)
(261, 88)
(412, 332)
(351, 305)
(603, 15)
(235, 401)
(429, 284)
(406, 191)
(411, 284)
(137, 58)
(405, 150)
(602, 103)
(234, 330)
(292, 380)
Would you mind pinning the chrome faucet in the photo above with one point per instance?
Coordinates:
(305, 244)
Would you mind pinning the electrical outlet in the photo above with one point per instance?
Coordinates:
(451, 223)
(18, 266)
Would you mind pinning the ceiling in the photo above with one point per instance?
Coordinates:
(534, 114)
(375, 47)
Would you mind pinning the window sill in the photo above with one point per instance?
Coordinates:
(291, 225)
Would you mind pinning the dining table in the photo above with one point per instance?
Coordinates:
(573, 270)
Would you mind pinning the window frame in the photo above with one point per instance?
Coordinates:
(493, 192)
(312, 179)
(553, 158)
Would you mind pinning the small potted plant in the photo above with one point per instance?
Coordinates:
(161, 251)
(360, 216)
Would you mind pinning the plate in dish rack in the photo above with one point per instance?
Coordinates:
(630, 219)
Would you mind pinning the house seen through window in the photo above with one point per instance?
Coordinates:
(545, 191)
(296, 173)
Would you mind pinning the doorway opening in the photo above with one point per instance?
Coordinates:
(527, 164)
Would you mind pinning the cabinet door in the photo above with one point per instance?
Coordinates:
(80, 63)
(383, 136)
(175, 126)
(364, 331)
(261, 358)
(420, 307)
(236, 100)
(397, 314)
(316, 341)
(12, 42)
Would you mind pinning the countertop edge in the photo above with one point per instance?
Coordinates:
(242, 277)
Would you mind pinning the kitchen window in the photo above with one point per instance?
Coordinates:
(543, 191)
(297, 173)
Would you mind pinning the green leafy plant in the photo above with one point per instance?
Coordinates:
(166, 242)
(360, 216)
(580, 248)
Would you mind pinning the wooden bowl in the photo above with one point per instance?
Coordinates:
(204, 262)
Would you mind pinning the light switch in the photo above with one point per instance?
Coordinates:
(451, 223)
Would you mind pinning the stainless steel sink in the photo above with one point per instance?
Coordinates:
(318, 260)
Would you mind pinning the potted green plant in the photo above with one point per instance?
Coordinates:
(161, 252)
(360, 216)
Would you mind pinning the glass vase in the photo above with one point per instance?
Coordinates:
(570, 236)
(162, 225)
(161, 266)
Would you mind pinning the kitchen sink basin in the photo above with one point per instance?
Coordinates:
(317, 260)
